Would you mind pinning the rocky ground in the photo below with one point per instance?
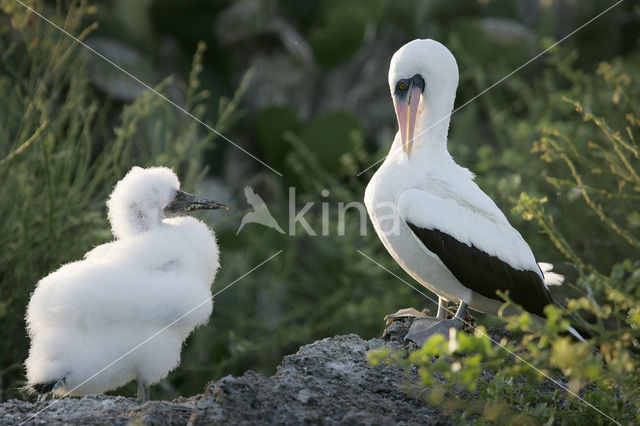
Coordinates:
(326, 382)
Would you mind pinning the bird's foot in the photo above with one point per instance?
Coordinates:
(423, 328)
(43, 397)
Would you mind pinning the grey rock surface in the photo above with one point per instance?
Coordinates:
(95, 410)
(326, 382)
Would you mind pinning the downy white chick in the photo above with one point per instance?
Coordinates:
(89, 313)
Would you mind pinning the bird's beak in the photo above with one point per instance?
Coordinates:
(406, 111)
(184, 203)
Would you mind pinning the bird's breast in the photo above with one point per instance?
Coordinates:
(381, 199)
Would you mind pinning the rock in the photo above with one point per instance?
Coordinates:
(94, 410)
(328, 382)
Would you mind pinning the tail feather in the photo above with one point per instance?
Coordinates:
(575, 334)
(550, 278)
(579, 328)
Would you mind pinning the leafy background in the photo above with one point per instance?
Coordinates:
(302, 85)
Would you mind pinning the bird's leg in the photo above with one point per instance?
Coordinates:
(423, 328)
(461, 313)
(442, 309)
(143, 390)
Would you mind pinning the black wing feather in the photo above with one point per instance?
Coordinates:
(486, 274)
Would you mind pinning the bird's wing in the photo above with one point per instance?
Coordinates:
(84, 294)
(484, 252)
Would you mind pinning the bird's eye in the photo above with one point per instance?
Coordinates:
(402, 86)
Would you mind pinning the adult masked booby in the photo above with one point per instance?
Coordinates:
(124, 311)
(431, 216)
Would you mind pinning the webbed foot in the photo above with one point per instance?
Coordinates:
(423, 328)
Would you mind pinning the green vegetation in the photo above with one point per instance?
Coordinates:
(61, 158)
(302, 85)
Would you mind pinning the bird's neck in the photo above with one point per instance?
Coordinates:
(432, 124)
(133, 221)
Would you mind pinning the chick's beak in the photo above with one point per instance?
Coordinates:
(406, 112)
(184, 203)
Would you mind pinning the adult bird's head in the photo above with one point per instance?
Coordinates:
(423, 75)
(144, 197)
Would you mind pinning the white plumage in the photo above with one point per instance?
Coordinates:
(88, 313)
(429, 214)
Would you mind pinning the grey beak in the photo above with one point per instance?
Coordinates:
(185, 203)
